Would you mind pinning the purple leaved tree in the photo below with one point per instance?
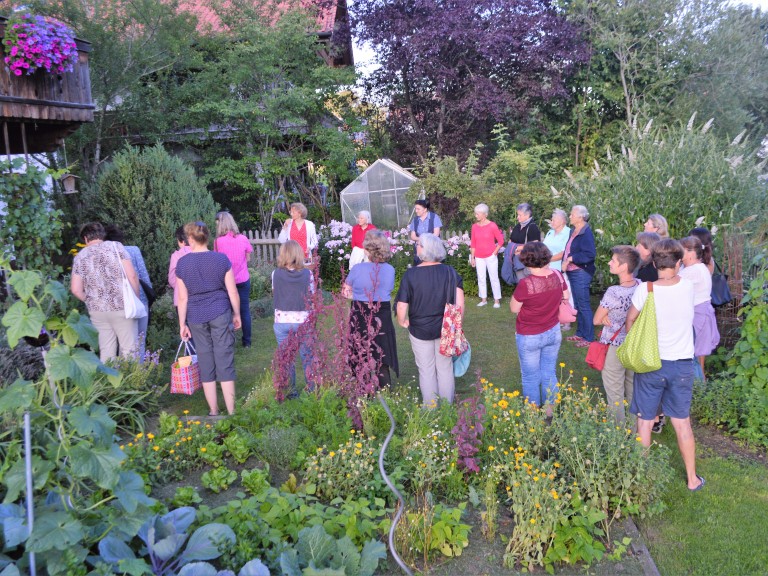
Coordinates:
(450, 70)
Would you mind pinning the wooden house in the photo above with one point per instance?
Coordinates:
(38, 111)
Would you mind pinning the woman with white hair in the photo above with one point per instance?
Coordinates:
(486, 241)
(424, 291)
(657, 223)
(556, 240)
(358, 236)
(579, 264)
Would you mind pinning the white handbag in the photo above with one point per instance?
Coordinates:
(132, 304)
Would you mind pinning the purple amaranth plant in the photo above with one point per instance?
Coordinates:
(34, 42)
(468, 431)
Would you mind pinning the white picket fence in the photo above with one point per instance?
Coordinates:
(266, 245)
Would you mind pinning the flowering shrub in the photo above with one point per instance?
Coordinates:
(33, 42)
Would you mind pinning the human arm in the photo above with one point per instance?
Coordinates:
(460, 300)
(77, 287)
(285, 232)
(311, 236)
(141, 268)
(183, 299)
(130, 273)
(583, 248)
(402, 314)
(172, 270)
(601, 317)
(234, 298)
(632, 315)
(515, 306)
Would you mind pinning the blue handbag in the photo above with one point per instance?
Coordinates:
(461, 362)
(721, 293)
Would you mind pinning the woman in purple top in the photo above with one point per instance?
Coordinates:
(369, 285)
(238, 249)
(209, 311)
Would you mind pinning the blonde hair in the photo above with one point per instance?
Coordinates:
(301, 208)
(225, 223)
(198, 231)
(291, 256)
(660, 223)
(377, 245)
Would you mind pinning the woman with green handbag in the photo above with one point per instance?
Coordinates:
(670, 300)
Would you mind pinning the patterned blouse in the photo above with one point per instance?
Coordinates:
(617, 300)
(101, 271)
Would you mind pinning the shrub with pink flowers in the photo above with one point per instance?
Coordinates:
(33, 42)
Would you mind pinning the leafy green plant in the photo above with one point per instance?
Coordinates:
(185, 496)
(169, 552)
(256, 480)
(218, 479)
(576, 536)
(31, 229)
(318, 552)
(212, 453)
(430, 529)
(238, 447)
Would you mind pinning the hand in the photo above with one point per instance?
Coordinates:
(405, 323)
(472, 261)
(185, 333)
(518, 249)
(606, 321)
(237, 322)
(286, 224)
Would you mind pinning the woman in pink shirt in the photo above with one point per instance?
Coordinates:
(486, 241)
(237, 247)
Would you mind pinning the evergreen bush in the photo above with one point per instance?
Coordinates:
(149, 193)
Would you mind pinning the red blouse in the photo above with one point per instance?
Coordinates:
(300, 235)
(358, 234)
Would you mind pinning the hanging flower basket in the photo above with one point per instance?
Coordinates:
(33, 42)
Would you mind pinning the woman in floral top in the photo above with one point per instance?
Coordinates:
(612, 315)
(97, 281)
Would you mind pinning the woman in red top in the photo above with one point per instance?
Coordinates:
(536, 302)
(486, 241)
(358, 235)
(299, 229)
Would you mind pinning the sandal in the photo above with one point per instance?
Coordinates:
(582, 344)
(701, 484)
(574, 338)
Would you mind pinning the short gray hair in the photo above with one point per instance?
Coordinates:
(432, 249)
(482, 208)
(525, 207)
(366, 214)
(560, 212)
(582, 211)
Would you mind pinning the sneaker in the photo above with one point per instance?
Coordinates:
(659, 426)
(483, 303)
(496, 305)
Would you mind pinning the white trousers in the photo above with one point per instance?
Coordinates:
(491, 264)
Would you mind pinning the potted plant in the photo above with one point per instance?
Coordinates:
(33, 42)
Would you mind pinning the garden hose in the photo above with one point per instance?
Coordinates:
(395, 491)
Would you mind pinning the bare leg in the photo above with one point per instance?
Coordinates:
(687, 446)
(644, 431)
(228, 389)
(210, 396)
(701, 362)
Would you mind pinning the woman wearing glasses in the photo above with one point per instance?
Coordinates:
(209, 312)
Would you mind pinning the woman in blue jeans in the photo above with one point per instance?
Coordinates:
(536, 302)
(291, 287)
(579, 264)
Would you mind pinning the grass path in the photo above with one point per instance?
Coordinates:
(720, 530)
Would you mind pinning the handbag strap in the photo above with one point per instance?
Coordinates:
(187, 347)
(616, 333)
(119, 261)
(451, 284)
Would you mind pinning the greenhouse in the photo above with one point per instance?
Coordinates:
(381, 190)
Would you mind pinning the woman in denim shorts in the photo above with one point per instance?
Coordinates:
(671, 386)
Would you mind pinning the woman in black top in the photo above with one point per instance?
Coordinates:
(424, 291)
(645, 243)
(524, 231)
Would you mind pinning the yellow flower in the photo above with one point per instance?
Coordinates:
(139, 435)
(332, 454)
(130, 444)
(533, 520)
(186, 412)
(503, 403)
(555, 495)
(189, 438)
(352, 431)
(562, 364)
(359, 445)
(584, 379)
(197, 422)
(491, 448)
(556, 465)
(639, 439)
(151, 436)
(171, 451)
(155, 448)
(203, 449)
(535, 478)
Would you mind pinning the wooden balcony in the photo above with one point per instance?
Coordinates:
(38, 111)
